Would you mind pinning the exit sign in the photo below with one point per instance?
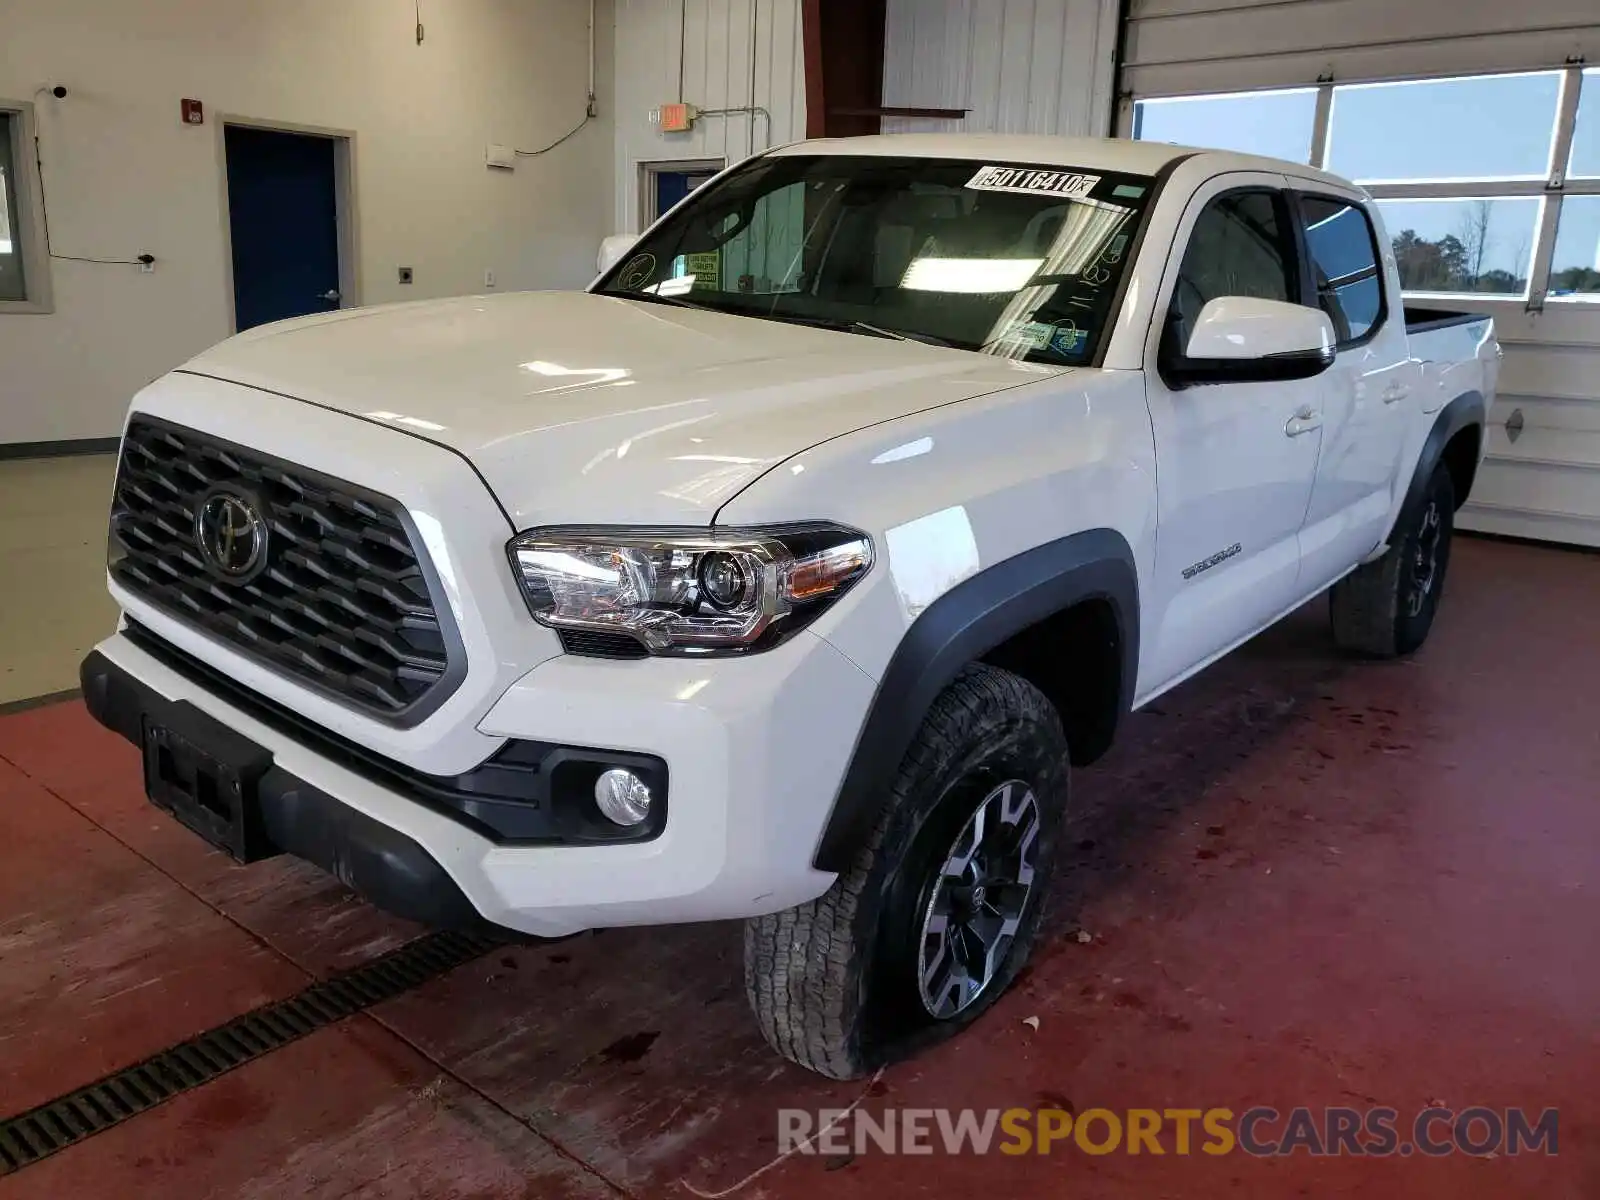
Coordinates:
(677, 118)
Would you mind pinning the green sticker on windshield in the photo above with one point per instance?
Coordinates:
(1033, 334)
(705, 267)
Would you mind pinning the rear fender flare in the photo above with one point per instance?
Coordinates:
(1464, 411)
(959, 628)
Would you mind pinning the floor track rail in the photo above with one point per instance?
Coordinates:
(57, 1124)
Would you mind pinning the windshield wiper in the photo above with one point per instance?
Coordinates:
(653, 298)
(899, 335)
(842, 326)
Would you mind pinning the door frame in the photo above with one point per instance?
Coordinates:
(651, 168)
(344, 200)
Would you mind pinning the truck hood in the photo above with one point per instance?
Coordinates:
(578, 408)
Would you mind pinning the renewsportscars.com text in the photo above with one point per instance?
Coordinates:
(1259, 1131)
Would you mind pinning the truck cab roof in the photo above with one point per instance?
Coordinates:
(1107, 154)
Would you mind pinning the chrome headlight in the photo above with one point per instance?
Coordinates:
(688, 591)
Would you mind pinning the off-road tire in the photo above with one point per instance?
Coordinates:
(1373, 609)
(830, 981)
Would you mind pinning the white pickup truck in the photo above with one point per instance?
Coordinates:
(782, 574)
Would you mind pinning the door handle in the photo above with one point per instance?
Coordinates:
(1303, 421)
(331, 296)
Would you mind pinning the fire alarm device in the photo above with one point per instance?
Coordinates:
(678, 118)
(194, 113)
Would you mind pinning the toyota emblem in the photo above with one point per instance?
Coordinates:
(231, 533)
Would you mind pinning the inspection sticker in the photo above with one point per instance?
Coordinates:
(1033, 334)
(1068, 341)
(1037, 183)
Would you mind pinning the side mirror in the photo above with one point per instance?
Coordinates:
(1238, 339)
(613, 248)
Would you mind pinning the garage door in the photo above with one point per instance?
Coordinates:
(1476, 124)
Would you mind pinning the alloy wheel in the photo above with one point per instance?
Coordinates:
(1425, 562)
(978, 899)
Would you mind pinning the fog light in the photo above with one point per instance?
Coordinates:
(622, 796)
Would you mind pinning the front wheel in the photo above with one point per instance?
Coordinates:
(1386, 608)
(937, 911)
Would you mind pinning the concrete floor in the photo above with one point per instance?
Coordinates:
(1296, 881)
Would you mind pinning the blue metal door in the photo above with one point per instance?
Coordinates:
(284, 221)
(672, 186)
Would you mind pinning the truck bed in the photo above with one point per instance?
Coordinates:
(1423, 318)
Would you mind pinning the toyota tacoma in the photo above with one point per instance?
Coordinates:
(785, 572)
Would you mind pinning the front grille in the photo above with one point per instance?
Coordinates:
(342, 600)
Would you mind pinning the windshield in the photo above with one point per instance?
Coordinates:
(1015, 259)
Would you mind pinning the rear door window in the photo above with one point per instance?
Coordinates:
(1343, 251)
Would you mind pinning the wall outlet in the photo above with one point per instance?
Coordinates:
(503, 157)
(488, 278)
(405, 274)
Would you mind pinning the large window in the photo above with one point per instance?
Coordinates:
(1479, 245)
(23, 275)
(1277, 124)
(1489, 184)
(1479, 128)
(1585, 159)
(1575, 269)
(12, 284)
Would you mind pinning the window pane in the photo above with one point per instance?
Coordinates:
(939, 248)
(1463, 245)
(11, 282)
(1344, 257)
(758, 259)
(1236, 249)
(1585, 159)
(6, 241)
(1277, 124)
(1487, 127)
(1575, 270)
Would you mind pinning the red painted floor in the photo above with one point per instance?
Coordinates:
(1298, 881)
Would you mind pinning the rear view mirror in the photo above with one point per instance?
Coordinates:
(613, 248)
(1239, 339)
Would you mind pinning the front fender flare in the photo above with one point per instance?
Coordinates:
(960, 627)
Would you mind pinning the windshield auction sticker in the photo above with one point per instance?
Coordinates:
(1069, 184)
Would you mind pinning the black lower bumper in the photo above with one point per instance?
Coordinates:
(285, 814)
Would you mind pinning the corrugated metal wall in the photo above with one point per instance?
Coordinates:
(1545, 482)
(1196, 46)
(735, 53)
(1020, 66)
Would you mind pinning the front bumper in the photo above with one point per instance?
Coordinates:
(382, 864)
(755, 748)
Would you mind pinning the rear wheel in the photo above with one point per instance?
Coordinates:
(937, 912)
(1386, 608)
